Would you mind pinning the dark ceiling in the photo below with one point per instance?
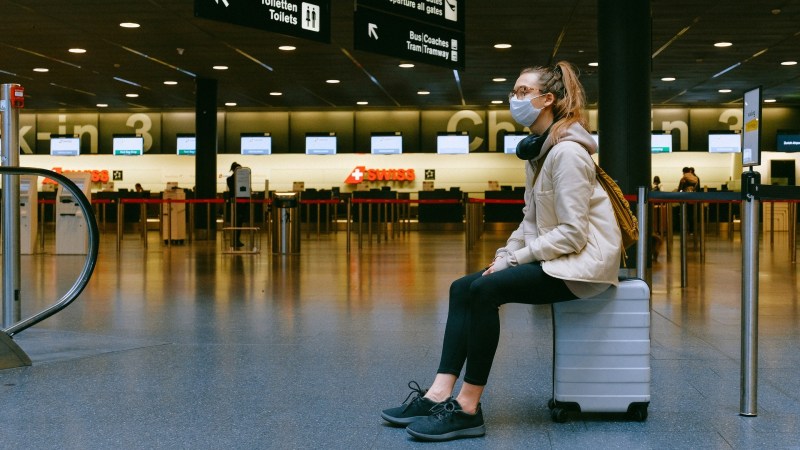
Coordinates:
(172, 44)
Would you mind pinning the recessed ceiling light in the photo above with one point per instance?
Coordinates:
(131, 95)
(724, 91)
(276, 94)
(723, 44)
(220, 67)
(789, 63)
(594, 64)
(499, 79)
(332, 81)
(77, 50)
(170, 83)
(41, 69)
(230, 103)
(405, 65)
(769, 100)
(502, 46)
(668, 79)
(362, 103)
(102, 105)
(287, 48)
(423, 92)
(129, 25)
(497, 102)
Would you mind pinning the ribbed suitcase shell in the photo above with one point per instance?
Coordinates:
(601, 349)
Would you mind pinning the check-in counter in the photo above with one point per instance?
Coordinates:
(441, 213)
(503, 212)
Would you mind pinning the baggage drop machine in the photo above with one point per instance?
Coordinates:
(71, 228)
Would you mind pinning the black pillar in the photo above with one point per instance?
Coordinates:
(624, 121)
(205, 160)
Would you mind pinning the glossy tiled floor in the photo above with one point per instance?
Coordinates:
(186, 347)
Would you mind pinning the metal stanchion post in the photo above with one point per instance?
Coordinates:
(793, 230)
(684, 280)
(641, 246)
(749, 361)
(191, 222)
(360, 224)
(143, 219)
(11, 100)
(702, 210)
(348, 221)
(120, 230)
(369, 223)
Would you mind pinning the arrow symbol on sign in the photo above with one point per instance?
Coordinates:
(373, 31)
(224, 2)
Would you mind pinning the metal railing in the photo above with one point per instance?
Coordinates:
(91, 256)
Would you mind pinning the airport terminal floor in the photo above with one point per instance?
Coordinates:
(188, 347)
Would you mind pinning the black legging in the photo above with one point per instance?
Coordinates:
(473, 320)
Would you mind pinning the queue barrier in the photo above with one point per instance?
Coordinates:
(330, 214)
(143, 202)
(397, 211)
(474, 217)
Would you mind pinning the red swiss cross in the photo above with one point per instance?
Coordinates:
(357, 175)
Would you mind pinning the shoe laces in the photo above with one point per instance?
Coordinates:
(415, 389)
(444, 410)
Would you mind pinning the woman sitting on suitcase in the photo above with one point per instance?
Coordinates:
(567, 246)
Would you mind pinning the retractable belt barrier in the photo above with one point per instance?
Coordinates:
(142, 202)
(396, 210)
(328, 214)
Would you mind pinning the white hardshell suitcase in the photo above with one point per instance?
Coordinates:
(601, 352)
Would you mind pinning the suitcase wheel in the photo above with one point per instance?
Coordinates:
(637, 412)
(559, 415)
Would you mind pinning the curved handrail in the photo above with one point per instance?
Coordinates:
(91, 257)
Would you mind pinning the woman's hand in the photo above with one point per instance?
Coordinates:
(501, 262)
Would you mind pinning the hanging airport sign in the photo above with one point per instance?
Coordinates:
(401, 37)
(441, 13)
(302, 19)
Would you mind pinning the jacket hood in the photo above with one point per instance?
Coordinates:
(575, 133)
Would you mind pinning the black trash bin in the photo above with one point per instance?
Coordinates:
(285, 223)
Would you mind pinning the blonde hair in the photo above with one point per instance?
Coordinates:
(562, 81)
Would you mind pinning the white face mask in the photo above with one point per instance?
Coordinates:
(523, 111)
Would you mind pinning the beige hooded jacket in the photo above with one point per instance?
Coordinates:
(569, 224)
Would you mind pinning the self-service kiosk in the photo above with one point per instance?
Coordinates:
(242, 182)
(28, 214)
(173, 215)
(240, 214)
(72, 234)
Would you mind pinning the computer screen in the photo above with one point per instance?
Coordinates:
(386, 144)
(320, 145)
(510, 141)
(65, 146)
(788, 141)
(660, 143)
(186, 144)
(128, 145)
(256, 144)
(452, 144)
(719, 142)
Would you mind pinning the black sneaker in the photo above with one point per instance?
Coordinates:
(412, 410)
(448, 421)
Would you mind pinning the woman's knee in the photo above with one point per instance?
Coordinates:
(484, 292)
